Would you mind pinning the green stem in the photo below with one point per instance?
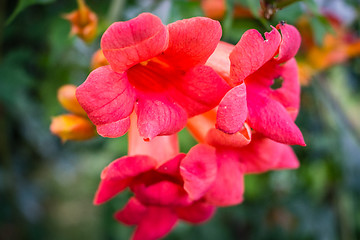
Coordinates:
(115, 10)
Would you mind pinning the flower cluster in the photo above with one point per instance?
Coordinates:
(163, 78)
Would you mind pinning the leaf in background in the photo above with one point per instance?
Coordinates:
(22, 4)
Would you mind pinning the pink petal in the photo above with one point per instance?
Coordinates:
(132, 213)
(196, 213)
(219, 60)
(251, 52)
(114, 129)
(232, 111)
(125, 44)
(192, 41)
(157, 115)
(108, 189)
(156, 223)
(171, 167)
(200, 90)
(164, 193)
(288, 159)
(198, 170)
(290, 42)
(270, 118)
(228, 187)
(118, 175)
(289, 93)
(261, 155)
(239, 139)
(107, 97)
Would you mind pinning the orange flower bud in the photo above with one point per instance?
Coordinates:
(83, 22)
(214, 9)
(67, 98)
(72, 127)
(98, 60)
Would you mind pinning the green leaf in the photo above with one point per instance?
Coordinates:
(22, 4)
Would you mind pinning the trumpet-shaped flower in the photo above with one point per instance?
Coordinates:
(154, 221)
(253, 66)
(156, 70)
(167, 185)
(238, 154)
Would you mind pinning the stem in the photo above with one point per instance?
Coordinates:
(115, 10)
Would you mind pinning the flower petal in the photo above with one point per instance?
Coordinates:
(228, 188)
(107, 97)
(289, 93)
(125, 44)
(132, 213)
(198, 170)
(261, 155)
(217, 138)
(197, 212)
(270, 118)
(157, 115)
(192, 41)
(288, 159)
(251, 52)
(290, 42)
(114, 129)
(118, 175)
(164, 193)
(232, 111)
(156, 223)
(200, 90)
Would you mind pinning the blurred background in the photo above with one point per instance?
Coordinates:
(47, 185)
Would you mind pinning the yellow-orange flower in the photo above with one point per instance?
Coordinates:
(83, 22)
(98, 60)
(74, 125)
(336, 48)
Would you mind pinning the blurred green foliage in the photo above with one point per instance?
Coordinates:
(46, 188)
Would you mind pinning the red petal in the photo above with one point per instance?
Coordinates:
(198, 170)
(156, 223)
(270, 118)
(239, 139)
(261, 155)
(200, 90)
(132, 213)
(125, 44)
(107, 97)
(196, 213)
(192, 41)
(251, 52)
(171, 167)
(289, 93)
(164, 193)
(290, 42)
(232, 111)
(288, 159)
(228, 187)
(157, 115)
(114, 129)
(118, 175)
(109, 188)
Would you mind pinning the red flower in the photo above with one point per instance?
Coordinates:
(254, 65)
(236, 156)
(160, 68)
(167, 185)
(154, 221)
